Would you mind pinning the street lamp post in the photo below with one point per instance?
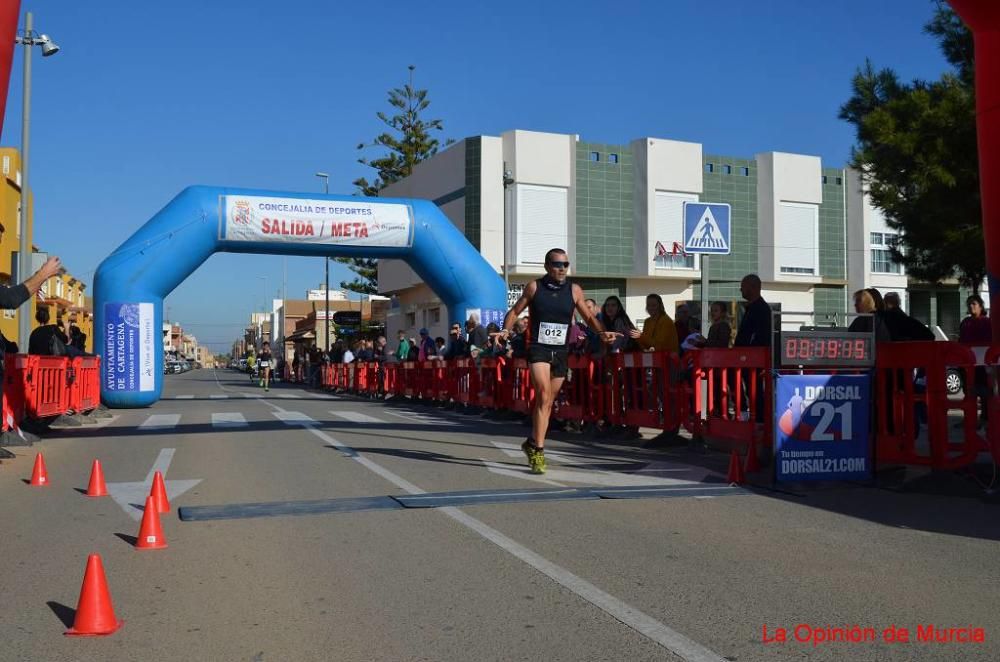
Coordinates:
(326, 269)
(28, 39)
(508, 179)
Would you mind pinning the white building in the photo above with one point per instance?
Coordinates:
(805, 229)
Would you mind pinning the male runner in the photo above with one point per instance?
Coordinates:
(551, 301)
(264, 365)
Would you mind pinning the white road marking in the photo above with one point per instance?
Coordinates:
(687, 649)
(132, 496)
(292, 417)
(682, 646)
(217, 396)
(357, 417)
(424, 419)
(289, 396)
(161, 464)
(184, 397)
(229, 420)
(584, 476)
(160, 422)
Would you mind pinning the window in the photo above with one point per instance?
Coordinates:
(59, 288)
(612, 158)
(796, 238)
(709, 167)
(411, 321)
(745, 171)
(79, 299)
(824, 179)
(433, 316)
(542, 221)
(595, 156)
(668, 228)
(727, 170)
(882, 244)
(840, 182)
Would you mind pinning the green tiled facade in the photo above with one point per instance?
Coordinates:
(600, 289)
(473, 190)
(832, 225)
(740, 192)
(830, 304)
(604, 230)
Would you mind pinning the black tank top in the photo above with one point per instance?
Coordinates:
(551, 312)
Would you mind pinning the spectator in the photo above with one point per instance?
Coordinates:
(403, 348)
(864, 303)
(457, 347)
(976, 330)
(683, 321)
(77, 338)
(366, 351)
(901, 326)
(659, 332)
(439, 342)
(426, 348)
(877, 298)
(720, 333)
(48, 339)
(347, 356)
(414, 350)
(694, 339)
(615, 319)
(476, 334)
(518, 343)
(379, 349)
(755, 329)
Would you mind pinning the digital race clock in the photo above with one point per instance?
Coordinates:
(827, 348)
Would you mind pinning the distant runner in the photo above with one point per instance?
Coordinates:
(264, 364)
(551, 301)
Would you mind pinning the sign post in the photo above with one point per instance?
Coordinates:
(707, 231)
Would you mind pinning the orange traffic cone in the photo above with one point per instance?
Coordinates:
(735, 476)
(39, 475)
(150, 531)
(753, 464)
(159, 494)
(95, 615)
(97, 488)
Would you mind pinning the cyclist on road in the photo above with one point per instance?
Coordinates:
(264, 360)
(551, 301)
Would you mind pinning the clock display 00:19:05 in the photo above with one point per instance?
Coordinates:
(805, 349)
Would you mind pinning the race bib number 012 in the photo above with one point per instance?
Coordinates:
(552, 334)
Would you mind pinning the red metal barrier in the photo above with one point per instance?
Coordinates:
(47, 390)
(14, 393)
(464, 379)
(85, 386)
(992, 362)
(584, 392)
(489, 376)
(902, 401)
(732, 394)
(646, 384)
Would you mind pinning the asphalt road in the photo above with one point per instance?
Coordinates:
(680, 577)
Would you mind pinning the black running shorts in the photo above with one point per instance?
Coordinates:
(557, 357)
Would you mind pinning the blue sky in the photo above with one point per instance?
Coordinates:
(147, 98)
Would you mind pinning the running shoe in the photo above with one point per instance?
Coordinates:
(537, 462)
(529, 449)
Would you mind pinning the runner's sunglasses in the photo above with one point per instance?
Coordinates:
(560, 265)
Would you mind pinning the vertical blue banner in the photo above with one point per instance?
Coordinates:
(129, 352)
(822, 427)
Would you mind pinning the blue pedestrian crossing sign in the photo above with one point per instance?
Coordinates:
(707, 228)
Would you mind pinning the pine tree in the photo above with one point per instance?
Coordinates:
(408, 141)
(917, 152)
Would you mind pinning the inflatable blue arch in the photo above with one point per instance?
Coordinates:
(131, 283)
